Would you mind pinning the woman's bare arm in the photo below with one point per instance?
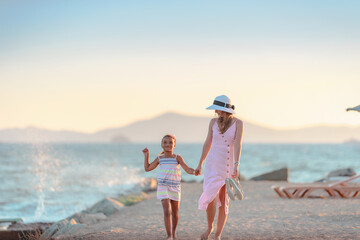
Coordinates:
(206, 148)
(237, 145)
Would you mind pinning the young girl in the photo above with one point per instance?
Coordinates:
(169, 178)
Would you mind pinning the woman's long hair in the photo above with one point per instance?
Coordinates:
(224, 122)
(169, 136)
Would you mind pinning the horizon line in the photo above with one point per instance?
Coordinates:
(188, 115)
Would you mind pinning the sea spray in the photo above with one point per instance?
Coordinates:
(65, 182)
(45, 176)
(45, 172)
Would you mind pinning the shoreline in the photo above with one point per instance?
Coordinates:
(99, 211)
(261, 215)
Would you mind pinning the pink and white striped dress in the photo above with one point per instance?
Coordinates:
(219, 166)
(169, 178)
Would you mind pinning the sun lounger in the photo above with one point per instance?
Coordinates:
(342, 189)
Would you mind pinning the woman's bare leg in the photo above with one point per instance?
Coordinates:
(175, 216)
(210, 213)
(167, 214)
(222, 216)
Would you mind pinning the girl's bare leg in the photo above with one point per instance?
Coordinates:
(175, 216)
(167, 214)
(210, 213)
(222, 216)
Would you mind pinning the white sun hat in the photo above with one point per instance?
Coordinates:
(222, 103)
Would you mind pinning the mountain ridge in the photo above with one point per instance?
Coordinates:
(187, 128)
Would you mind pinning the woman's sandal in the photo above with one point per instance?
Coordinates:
(229, 189)
(238, 189)
(232, 186)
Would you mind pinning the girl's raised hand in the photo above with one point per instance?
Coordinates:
(145, 151)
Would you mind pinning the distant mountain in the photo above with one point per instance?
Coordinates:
(33, 134)
(186, 129)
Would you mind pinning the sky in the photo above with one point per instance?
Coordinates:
(89, 65)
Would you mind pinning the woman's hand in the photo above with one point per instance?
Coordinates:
(235, 173)
(198, 171)
(145, 152)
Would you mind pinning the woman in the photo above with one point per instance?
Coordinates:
(222, 150)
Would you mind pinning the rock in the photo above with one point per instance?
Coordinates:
(56, 227)
(22, 231)
(321, 180)
(130, 199)
(29, 226)
(89, 218)
(69, 228)
(346, 172)
(241, 177)
(277, 175)
(107, 206)
(149, 185)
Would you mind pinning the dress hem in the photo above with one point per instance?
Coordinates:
(218, 202)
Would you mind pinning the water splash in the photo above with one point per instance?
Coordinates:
(45, 174)
(40, 157)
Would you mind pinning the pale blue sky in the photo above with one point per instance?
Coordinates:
(65, 62)
(177, 25)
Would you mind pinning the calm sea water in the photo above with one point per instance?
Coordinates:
(48, 182)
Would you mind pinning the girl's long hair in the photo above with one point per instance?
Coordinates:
(224, 122)
(170, 136)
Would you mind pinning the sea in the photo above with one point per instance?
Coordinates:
(45, 182)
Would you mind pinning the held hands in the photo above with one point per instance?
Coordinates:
(198, 171)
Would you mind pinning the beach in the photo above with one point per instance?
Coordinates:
(261, 215)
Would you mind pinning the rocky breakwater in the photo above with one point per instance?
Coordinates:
(100, 211)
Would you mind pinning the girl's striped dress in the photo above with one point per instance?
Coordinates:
(169, 178)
